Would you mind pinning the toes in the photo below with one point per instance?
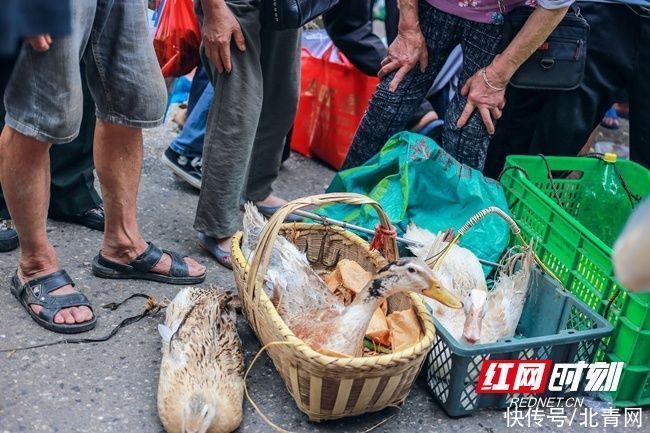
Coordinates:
(78, 315)
(64, 316)
(86, 314)
(194, 267)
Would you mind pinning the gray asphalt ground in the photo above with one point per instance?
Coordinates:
(111, 386)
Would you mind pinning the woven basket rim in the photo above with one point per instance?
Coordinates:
(241, 267)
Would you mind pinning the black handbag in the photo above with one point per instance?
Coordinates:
(559, 63)
(293, 14)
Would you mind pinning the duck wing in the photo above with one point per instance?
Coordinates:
(290, 279)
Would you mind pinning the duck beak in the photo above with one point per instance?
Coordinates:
(442, 295)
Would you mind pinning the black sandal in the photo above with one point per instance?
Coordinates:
(140, 268)
(37, 292)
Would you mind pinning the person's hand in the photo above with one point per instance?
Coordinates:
(488, 101)
(40, 43)
(408, 48)
(219, 27)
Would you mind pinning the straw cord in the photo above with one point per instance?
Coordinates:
(248, 370)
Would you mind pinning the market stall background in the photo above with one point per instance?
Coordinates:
(111, 386)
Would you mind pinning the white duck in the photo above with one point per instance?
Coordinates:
(486, 316)
(201, 384)
(309, 308)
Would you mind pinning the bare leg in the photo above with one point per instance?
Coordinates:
(25, 179)
(118, 160)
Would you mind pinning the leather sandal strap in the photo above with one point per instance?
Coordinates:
(37, 292)
(178, 267)
(48, 283)
(148, 259)
(53, 304)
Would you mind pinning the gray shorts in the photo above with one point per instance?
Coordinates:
(44, 98)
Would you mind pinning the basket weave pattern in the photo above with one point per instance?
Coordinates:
(326, 387)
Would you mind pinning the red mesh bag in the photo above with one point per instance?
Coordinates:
(177, 38)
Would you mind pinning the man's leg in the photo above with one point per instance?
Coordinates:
(189, 141)
(27, 199)
(515, 129)
(184, 154)
(281, 76)
(128, 89)
(199, 83)
(231, 129)
(41, 110)
(118, 159)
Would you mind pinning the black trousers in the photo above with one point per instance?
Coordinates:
(560, 122)
(72, 188)
(349, 25)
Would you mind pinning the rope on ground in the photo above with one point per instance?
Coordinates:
(264, 417)
(151, 307)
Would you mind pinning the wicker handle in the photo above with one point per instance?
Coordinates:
(262, 254)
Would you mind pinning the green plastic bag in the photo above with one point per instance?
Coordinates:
(414, 179)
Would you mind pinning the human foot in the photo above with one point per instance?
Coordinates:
(148, 262)
(271, 201)
(219, 248)
(271, 205)
(39, 283)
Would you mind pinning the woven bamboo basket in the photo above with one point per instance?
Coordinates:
(326, 387)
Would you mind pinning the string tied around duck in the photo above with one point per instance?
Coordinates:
(382, 236)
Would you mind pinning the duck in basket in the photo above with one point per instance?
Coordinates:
(487, 316)
(317, 316)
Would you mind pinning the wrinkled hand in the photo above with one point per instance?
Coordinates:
(489, 102)
(40, 43)
(219, 28)
(408, 48)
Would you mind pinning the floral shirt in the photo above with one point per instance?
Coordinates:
(489, 11)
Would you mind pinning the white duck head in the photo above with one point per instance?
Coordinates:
(408, 274)
(475, 306)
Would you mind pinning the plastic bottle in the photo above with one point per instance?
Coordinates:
(603, 203)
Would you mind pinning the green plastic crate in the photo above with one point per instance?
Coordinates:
(582, 261)
(554, 325)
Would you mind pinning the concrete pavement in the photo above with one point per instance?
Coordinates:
(111, 386)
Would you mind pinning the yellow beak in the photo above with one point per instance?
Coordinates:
(442, 295)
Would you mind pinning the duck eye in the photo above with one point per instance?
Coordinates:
(411, 269)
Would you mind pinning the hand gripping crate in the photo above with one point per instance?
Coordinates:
(581, 261)
(554, 325)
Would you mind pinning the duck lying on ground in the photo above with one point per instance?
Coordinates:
(201, 384)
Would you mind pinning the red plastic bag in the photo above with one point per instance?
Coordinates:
(177, 38)
(333, 97)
